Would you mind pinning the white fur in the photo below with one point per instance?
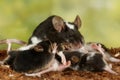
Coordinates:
(117, 54)
(60, 53)
(55, 65)
(75, 68)
(112, 59)
(34, 40)
(26, 47)
(91, 55)
(82, 49)
(70, 25)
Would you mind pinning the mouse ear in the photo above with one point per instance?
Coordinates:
(58, 23)
(38, 48)
(77, 22)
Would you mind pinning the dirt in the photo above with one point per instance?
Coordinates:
(7, 74)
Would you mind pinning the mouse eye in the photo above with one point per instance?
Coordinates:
(38, 49)
(97, 44)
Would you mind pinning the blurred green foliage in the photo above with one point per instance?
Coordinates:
(100, 18)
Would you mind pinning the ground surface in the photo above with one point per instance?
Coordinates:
(8, 74)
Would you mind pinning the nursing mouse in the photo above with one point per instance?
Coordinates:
(55, 29)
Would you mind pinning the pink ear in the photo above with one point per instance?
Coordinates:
(38, 48)
(77, 22)
(58, 23)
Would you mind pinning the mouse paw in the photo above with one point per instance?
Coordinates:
(54, 48)
(64, 61)
(62, 67)
(68, 63)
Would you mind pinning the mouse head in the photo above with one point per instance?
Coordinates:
(42, 46)
(96, 47)
(66, 32)
(59, 24)
(45, 46)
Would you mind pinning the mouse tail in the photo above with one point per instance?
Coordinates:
(10, 41)
(108, 69)
(112, 59)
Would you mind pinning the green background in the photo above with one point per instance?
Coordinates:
(100, 18)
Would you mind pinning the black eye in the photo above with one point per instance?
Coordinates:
(97, 44)
(65, 29)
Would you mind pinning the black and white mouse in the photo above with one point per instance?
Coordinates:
(99, 47)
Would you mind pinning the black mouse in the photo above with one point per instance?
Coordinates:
(95, 62)
(91, 61)
(32, 60)
(101, 48)
(74, 57)
(55, 29)
(35, 61)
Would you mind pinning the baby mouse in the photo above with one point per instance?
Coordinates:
(98, 47)
(74, 57)
(91, 61)
(95, 62)
(35, 57)
(35, 61)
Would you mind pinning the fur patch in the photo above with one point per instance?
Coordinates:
(70, 25)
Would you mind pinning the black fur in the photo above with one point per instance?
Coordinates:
(95, 63)
(30, 60)
(45, 30)
(70, 57)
